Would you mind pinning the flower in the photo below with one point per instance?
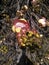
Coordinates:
(42, 21)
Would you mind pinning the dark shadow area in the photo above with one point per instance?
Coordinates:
(24, 61)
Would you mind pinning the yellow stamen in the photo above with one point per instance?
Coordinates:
(22, 44)
(18, 29)
(37, 35)
(30, 33)
(25, 39)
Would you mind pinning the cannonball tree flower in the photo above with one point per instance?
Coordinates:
(34, 2)
(23, 31)
(42, 22)
(20, 27)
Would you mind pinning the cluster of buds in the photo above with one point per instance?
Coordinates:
(7, 17)
(4, 49)
(22, 29)
(20, 13)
